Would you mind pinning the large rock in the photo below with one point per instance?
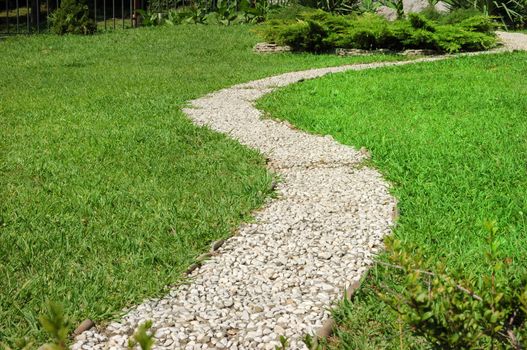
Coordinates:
(270, 48)
(442, 7)
(387, 12)
(414, 6)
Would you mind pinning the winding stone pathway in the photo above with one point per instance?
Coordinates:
(278, 275)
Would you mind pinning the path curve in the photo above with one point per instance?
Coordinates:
(278, 275)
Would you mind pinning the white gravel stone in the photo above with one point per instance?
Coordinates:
(513, 41)
(278, 275)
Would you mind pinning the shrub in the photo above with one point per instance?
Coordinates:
(321, 31)
(431, 13)
(291, 12)
(451, 39)
(420, 22)
(301, 36)
(480, 24)
(452, 17)
(459, 15)
(367, 32)
(72, 17)
(452, 312)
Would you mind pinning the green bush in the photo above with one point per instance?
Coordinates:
(72, 17)
(421, 22)
(320, 31)
(453, 17)
(448, 39)
(480, 24)
(301, 36)
(452, 312)
(291, 12)
(367, 32)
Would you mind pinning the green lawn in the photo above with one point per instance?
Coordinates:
(451, 137)
(107, 191)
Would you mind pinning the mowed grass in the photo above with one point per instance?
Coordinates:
(107, 191)
(451, 137)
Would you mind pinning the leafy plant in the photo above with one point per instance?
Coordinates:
(222, 12)
(284, 344)
(149, 19)
(455, 312)
(226, 13)
(56, 325)
(178, 16)
(196, 15)
(163, 6)
(256, 12)
(334, 6)
(142, 337)
(396, 5)
(72, 17)
(369, 6)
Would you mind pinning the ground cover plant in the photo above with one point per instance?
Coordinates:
(322, 32)
(450, 137)
(107, 191)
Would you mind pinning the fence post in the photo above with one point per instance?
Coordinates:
(17, 17)
(7, 15)
(135, 17)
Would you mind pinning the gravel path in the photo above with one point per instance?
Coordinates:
(513, 41)
(278, 275)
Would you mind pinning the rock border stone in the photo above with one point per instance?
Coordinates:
(270, 48)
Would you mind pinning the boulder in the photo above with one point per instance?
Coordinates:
(352, 52)
(414, 6)
(442, 7)
(270, 48)
(387, 12)
(359, 52)
(419, 52)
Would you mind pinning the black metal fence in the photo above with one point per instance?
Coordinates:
(31, 16)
